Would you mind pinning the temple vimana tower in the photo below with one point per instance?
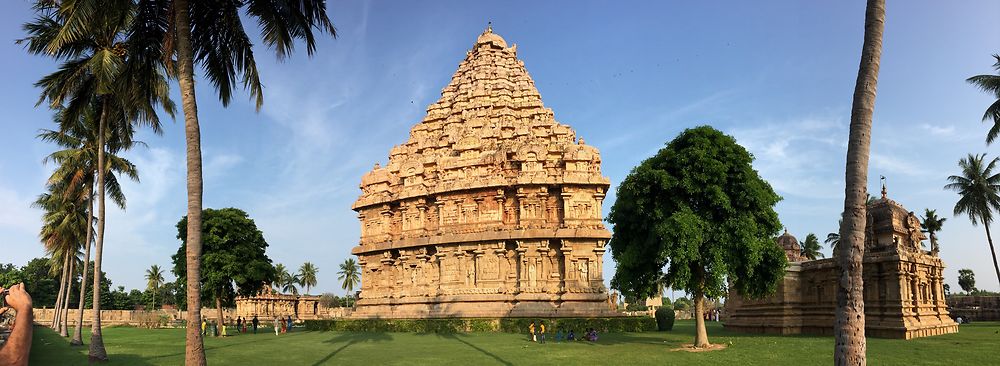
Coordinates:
(491, 208)
(903, 293)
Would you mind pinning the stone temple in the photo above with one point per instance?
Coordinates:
(492, 208)
(903, 294)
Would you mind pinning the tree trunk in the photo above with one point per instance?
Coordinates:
(701, 334)
(78, 331)
(64, 313)
(221, 322)
(59, 296)
(97, 351)
(194, 345)
(992, 251)
(849, 327)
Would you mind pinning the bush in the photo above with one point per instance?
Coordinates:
(664, 318)
(506, 325)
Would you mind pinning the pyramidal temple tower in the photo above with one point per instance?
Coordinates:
(491, 208)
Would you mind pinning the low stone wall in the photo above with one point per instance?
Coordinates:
(975, 308)
(171, 318)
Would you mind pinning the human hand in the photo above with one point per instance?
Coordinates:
(18, 299)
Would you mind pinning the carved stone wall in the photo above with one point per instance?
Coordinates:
(903, 294)
(490, 208)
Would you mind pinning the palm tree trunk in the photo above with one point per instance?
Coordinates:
(59, 297)
(63, 326)
(992, 250)
(78, 330)
(97, 351)
(194, 344)
(849, 327)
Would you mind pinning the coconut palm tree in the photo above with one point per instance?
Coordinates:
(931, 224)
(154, 279)
(990, 84)
(286, 281)
(211, 34)
(307, 275)
(61, 233)
(849, 327)
(350, 275)
(811, 247)
(978, 188)
(100, 65)
(76, 164)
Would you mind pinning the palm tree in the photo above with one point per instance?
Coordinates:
(307, 275)
(77, 165)
(979, 194)
(99, 66)
(990, 84)
(285, 281)
(61, 233)
(932, 224)
(154, 279)
(211, 33)
(849, 327)
(811, 247)
(350, 274)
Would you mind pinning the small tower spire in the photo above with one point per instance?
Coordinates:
(489, 27)
(883, 187)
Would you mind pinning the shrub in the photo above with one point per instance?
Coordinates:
(506, 325)
(664, 318)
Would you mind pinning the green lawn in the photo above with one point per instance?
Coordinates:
(976, 344)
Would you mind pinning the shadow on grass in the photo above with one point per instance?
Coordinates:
(349, 339)
(483, 351)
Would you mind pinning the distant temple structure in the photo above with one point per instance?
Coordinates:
(903, 285)
(269, 304)
(491, 208)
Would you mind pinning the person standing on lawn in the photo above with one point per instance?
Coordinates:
(256, 322)
(277, 325)
(541, 328)
(531, 331)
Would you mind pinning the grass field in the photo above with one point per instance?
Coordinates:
(975, 344)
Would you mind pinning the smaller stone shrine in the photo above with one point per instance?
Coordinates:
(904, 288)
(269, 304)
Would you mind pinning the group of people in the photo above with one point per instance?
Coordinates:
(242, 323)
(281, 325)
(538, 334)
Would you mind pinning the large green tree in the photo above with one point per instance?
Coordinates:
(978, 188)
(811, 247)
(850, 345)
(699, 208)
(349, 276)
(234, 260)
(991, 85)
(931, 224)
(967, 280)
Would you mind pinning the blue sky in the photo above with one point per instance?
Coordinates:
(777, 75)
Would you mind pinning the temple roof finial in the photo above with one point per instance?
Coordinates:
(883, 187)
(489, 27)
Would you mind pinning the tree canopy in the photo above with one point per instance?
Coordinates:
(699, 209)
(234, 261)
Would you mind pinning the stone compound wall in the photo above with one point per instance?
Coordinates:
(975, 308)
(491, 208)
(175, 317)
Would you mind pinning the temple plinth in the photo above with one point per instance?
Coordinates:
(491, 208)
